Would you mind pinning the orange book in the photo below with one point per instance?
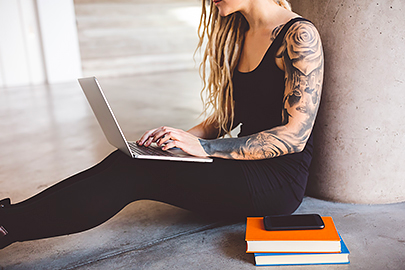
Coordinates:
(323, 240)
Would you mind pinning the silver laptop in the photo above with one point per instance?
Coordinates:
(114, 135)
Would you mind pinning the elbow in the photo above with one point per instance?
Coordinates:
(300, 145)
(299, 149)
(296, 144)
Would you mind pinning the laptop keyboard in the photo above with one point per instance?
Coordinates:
(150, 150)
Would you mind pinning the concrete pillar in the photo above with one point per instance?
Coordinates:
(360, 131)
(59, 40)
(38, 42)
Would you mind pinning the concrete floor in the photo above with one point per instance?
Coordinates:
(49, 132)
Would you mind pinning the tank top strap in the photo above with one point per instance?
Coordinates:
(280, 37)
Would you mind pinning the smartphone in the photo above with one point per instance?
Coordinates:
(293, 222)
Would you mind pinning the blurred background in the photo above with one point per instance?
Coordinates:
(45, 41)
(126, 37)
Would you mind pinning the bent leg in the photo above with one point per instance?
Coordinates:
(217, 189)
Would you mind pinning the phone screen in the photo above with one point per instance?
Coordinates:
(293, 222)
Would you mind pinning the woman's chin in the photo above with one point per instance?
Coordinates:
(224, 13)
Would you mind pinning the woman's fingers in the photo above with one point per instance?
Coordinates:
(168, 138)
(159, 135)
(169, 145)
(145, 137)
(162, 134)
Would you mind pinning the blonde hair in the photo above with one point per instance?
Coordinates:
(283, 3)
(225, 36)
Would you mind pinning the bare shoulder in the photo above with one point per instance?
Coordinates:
(302, 32)
(279, 27)
(302, 46)
(276, 31)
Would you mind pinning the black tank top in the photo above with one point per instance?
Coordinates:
(258, 94)
(258, 97)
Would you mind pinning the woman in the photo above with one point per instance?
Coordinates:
(266, 72)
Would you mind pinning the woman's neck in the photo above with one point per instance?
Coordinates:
(264, 14)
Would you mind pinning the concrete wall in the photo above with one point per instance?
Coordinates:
(360, 132)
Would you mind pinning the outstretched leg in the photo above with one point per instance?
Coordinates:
(76, 204)
(92, 197)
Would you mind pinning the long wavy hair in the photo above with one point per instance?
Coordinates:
(224, 37)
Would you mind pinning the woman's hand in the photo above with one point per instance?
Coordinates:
(167, 138)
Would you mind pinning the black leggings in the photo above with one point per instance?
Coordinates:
(91, 197)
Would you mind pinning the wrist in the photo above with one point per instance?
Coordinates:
(206, 145)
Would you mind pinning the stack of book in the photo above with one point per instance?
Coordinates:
(295, 247)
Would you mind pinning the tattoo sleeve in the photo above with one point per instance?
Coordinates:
(302, 55)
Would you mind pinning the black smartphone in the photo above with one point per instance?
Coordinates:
(293, 222)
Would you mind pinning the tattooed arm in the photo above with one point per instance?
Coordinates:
(301, 57)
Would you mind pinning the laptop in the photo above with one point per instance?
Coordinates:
(114, 134)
